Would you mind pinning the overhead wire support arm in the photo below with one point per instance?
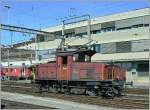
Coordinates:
(26, 30)
(77, 17)
(85, 17)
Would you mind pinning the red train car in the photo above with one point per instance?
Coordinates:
(73, 72)
(15, 72)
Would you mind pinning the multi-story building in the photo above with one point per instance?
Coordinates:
(122, 38)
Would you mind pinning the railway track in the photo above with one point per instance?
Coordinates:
(117, 102)
(27, 84)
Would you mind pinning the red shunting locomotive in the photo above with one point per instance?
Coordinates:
(74, 73)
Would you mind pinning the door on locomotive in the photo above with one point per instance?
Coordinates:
(32, 70)
(112, 74)
(64, 61)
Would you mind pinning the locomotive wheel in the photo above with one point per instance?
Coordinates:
(67, 92)
(77, 91)
(16, 79)
(52, 90)
(2, 106)
(110, 94)
(63, 90)
(40, 88)
(91, 92)
(99, 93)
(117, 91)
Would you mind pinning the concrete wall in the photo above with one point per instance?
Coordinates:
(113, 36)
(107, 37)
(121, 56)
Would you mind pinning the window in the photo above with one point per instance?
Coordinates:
(126, 65)
(40, 57)
(108, 29)
(75, 57)
(64, 60)
(146, 25)
(81, 34)
(107, 48)
(146, 49)
(95, 31)
(123, 28)
(143, 74)
(143, 67)
(70, 35)
(138, 25)
(40, 38)
(87, 58)
(96, 47)
(133, 73)
(122, 47)
(81, 58)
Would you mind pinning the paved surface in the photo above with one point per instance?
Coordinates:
(49, 102)
(18, 105)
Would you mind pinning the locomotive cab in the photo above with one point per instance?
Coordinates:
(76, 56)
(66, 58)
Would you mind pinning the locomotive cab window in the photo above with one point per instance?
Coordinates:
(87, 58)
(75, 57)
(64, 60)
(81, 58)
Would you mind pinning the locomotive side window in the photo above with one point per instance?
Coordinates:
(64, 60)
(75, 57)
(87, 58)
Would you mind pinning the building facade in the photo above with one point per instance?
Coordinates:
(122, 38)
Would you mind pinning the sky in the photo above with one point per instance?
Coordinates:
(39, 14)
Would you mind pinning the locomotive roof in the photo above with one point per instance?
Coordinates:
(66, 53)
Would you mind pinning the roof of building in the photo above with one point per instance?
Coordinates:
(102, 19)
